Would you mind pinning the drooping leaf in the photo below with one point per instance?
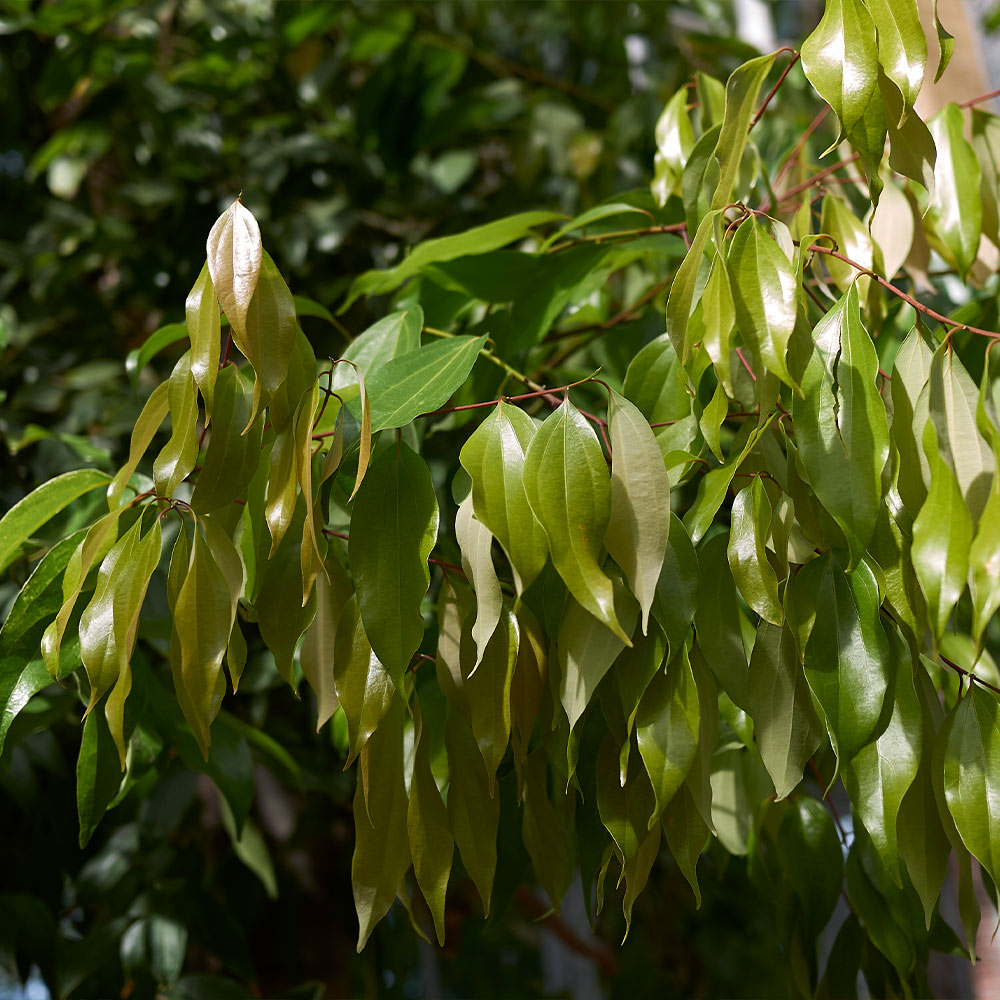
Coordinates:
(381, 841)
(234, 263)
(748, 533)
(677, 588)
(393, 529)
(494, 458)
(686, 835)
(146, 426)
(179, 455)
(638, 530)
(625, 807)
(681, 300)
(853, 240)
(674, 142)
(41, 505)
(902, 46)
(201, 310)
(98, 776)
(946, 44)
(984, 565)
(787, 729)
(546, 828)
(567, 484)
(476, 542)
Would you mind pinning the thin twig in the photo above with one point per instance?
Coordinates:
(774, 89)
(980, 99)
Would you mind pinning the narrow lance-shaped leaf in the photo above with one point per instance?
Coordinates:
(432, 846)
(201, 310)
(395, 334)
(674, 142)
(902, 46)
(677, 588)
(786, 727)
(742, 89)
(840, 59)
(281, 615)
(878, 777)
(566, 482)
(393, 530)
(146, 426)
(840, 422)
(956, 205)
(41, 505)
(946, 44)
(637, 533)
(719, 319)
(381, 842)
(971, 740)
(681, 301)
(749, 529)
(984, 555)
(476, 542)
(179, 455)
(234, 263)
(942, 537)
(312, 550)
(494, 458)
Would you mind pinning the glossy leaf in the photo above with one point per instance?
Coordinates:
(984, 564)
(494, 458)
(393, 529)
(393, 335)
(234, 263)
(566, 451)
(749, 529)
(681, 301)
(946, 44)
(637, 532)
(686, 835)
(786, 726)
(201, 310)
(674, 142)
(146, 426)
(476, 542)
(677, 588)
(179, 455)
(902, 47)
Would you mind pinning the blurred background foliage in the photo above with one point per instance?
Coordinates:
(353, 130)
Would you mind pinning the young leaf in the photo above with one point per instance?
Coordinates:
(179, 455)
(381, 841)
(420, 381)
(201, 310)
(667, 725)
(494, 458)
(146, 426)
(474, 814)
(718, 314)
(476, 542)
(846, 659)
(637, 533)
(840, 422)
(681, 300)
(432, 846)
(956, 206)
(567, 485)
(234, 263)
(942, 537)
(748, 533)
(393, 529)
(971, 741)
(41, 505)
(674, 142)
(946, 44)
(787, 729)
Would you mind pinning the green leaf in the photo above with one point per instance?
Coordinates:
(481, 239)
(476, 541)
(494, 458)
(677, 588)
(146, 426)
(786, 726)
(700, 177)
(717, 621)
(41, 505)
(432, 845)
(98, 776)
(637, 533)
(474, 814)
(986, 144)
(625, 807)
(587, 648)
(970, 737)
(310, 307)
(547, 829)
(686, 835)
(393, 335)
(333, 590)
(846, 659)
(281, 615)
(393, 529)
(742, 89)
(271, 333)
(251, 848)
(654, 383)
(719, 319)
(765, 295)
(946, 45)
(364, 687)
(179, 455)
(840, 59)
(667, 725)
(852, 239)
(878, 777)
(487, 690)
(566, 482)
(420, 381)
(942, 537)
(201, 310)
(902, 47)
(136, 360)
(910, 373)
(674, 142)
(984, 565)
(595, 214)
(750, 527)
(234, 262)
(232, 457)
(956, 206)
(381, 840)
(841, 426)
(681, 300)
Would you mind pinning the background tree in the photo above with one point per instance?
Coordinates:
(730, 573)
